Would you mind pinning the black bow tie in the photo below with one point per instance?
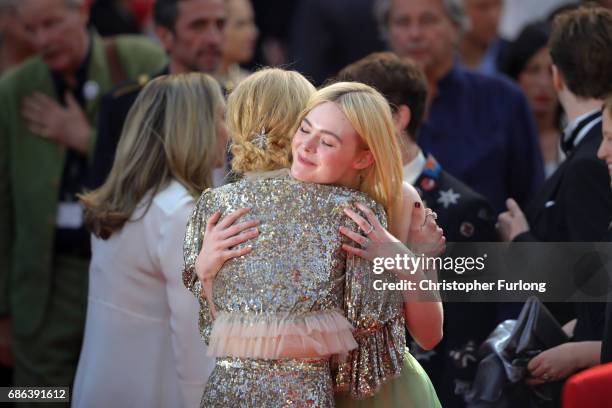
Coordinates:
(567, 143)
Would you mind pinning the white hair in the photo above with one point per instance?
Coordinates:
(453, 8)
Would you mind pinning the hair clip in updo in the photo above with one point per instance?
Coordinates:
(261, 140)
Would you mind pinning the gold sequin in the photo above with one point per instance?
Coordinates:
(297, 267)
(263, 383)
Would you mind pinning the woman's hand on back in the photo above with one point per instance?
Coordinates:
(220, 238)
(373, 239)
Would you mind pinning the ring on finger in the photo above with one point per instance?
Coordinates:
(429, 214)
(369, 230)
(366, 243)
(546, 377)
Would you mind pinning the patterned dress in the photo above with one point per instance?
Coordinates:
(296, 319)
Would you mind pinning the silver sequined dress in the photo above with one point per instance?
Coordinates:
(296, 318)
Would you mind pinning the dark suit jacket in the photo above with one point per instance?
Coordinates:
(574, 205)
(328, 35)
(465, 215)
(114, 109)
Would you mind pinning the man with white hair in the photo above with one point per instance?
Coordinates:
(478, 127)
(47, 128)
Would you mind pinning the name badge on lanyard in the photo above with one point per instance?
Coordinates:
(69, 215)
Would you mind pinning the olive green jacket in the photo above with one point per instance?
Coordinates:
(30, 173)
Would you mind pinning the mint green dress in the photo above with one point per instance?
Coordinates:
(412, 389)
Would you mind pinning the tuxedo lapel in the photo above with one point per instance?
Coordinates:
(547, 198)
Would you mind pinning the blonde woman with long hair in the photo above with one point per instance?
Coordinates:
(141, 347)
(344, 124)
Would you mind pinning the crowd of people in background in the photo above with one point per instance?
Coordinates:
(113, 124)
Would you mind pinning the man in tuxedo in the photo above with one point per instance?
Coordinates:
(605, 153)
(191, 32)
(464, 215)
(575, 203)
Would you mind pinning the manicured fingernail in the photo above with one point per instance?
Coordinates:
(417, 205)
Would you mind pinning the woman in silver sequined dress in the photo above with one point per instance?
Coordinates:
(277, 318)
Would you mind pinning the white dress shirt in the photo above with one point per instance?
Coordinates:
(414, 168)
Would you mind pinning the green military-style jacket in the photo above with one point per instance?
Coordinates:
(31, 169)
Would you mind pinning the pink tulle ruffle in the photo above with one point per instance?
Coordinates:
(281, 336)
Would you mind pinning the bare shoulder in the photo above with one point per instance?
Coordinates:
(410, 195)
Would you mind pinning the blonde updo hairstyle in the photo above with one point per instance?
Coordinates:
(267, 102)
(369, 114)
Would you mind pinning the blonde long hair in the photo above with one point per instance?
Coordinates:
(169, 133)
(369, 114)
(268, 103)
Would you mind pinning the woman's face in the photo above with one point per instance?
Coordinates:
(241, 33)
(327, 149)
(537, 84)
